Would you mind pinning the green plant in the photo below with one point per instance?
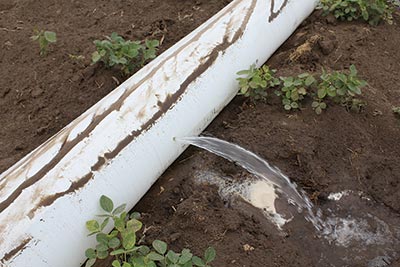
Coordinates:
(128, 55)
(373, 11)
(341, 88)
(294, 90)
(121, 243)
(318, 106)
(256, 82)
(44, 38)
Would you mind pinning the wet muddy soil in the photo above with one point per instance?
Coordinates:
(353, 154)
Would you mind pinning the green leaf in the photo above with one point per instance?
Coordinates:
(152, 43)
(309, 81)
(102, 238)
(138, 261)
(185, 257)
(93, 226)
(294, 105)
(172, 256)
(90, 262)
(303, 75)
(102, 254)
(114, 242)
(318, 110)
(90, 253)
(302, 91)
(243, 72)
(322, 105)
(102, 247)
(209, 254)
(144, 250)
(155, 256)
(117, 252)
(160, 246)
(96, 57)
(128, 239)
(287, 107)
(134, 225)
(353, 70)
(198, 262)
(116, 263)
(126, 264)
(294, 96)
(119, 224)
(104, 223)
(50, 36)
(314, 104)
(321, 93)
(135, 215)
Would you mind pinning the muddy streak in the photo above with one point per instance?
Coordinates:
(100, 162)
(68, 146)
(274, 14)
(48, 200)
(11, 254)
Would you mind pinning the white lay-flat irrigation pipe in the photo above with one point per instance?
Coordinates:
(121, 145)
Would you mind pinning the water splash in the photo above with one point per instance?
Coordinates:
(260, 168)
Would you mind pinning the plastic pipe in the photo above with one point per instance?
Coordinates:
(121, 145)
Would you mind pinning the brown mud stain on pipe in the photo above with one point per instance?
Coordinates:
(11, 254)
(274, 14)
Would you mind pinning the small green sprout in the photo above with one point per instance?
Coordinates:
(256, 82)
(126, 54)
(341, 88)
(294, 90)
(44, 38)
(372, 11)
(122, 243)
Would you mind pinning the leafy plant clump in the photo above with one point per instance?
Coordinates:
(372, 11)
(294, 90)
(339, 87)
(342, 88)
(122, 243)
(44, 38)
(256, 82)
(126, 54)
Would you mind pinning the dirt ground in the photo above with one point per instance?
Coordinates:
(336, 151)
(41, 95)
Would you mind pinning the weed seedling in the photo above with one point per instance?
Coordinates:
(122, 243)
(294, 90)
(341, 88)
(372, 11)
(256, 82)
(44, 38)
(126, 54)
(396, 111)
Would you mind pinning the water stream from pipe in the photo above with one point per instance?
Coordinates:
(262, 169)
